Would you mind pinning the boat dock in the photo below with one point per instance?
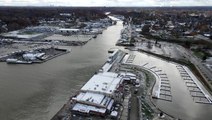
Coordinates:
(195, 90)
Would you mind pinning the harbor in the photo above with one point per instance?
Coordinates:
(38, 55)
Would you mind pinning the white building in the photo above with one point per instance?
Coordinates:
(98, 95)
(87, 109)
(105, 83)
(67, 30)
(92, 103)
(32, 56)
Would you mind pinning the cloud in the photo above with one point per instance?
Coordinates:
(106, 2)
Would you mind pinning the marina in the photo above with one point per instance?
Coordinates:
(162, 89)
(169, 88)
(39, 55)
(197, 93)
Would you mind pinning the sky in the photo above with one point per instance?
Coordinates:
(136, 3)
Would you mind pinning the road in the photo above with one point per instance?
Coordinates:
(133, 113)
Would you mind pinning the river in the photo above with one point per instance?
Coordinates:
(38, 91)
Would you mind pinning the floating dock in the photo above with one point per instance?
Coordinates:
(196, 92)
(38, 55)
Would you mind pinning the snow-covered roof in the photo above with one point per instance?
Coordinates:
(32, 56)
(106, 67)
(94, 99)
(103, 83)
(125, 58)
(114, 113)
(68, 29)
(127, 74)
(90, 97)
(87, 108)
(109, 74)
(115, 51)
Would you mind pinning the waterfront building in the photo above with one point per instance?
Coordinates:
(32, 56)
(106, 83)
(67, 30)
(92, 103)
(98, 95)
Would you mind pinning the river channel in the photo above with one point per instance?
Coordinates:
(38, 91)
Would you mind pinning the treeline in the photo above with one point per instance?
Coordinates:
(20, 17)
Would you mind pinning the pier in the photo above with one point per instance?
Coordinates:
(196, 92)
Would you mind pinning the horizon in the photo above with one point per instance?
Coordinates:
(113, 6)
(107, 3)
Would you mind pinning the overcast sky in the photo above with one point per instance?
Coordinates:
(106, 2)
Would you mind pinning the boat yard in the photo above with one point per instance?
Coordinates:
(38, 55)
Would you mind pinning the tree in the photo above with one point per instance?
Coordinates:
(204, 57)
(145, 29)
(187, 44)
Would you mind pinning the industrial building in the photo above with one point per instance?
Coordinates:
(98, 95)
